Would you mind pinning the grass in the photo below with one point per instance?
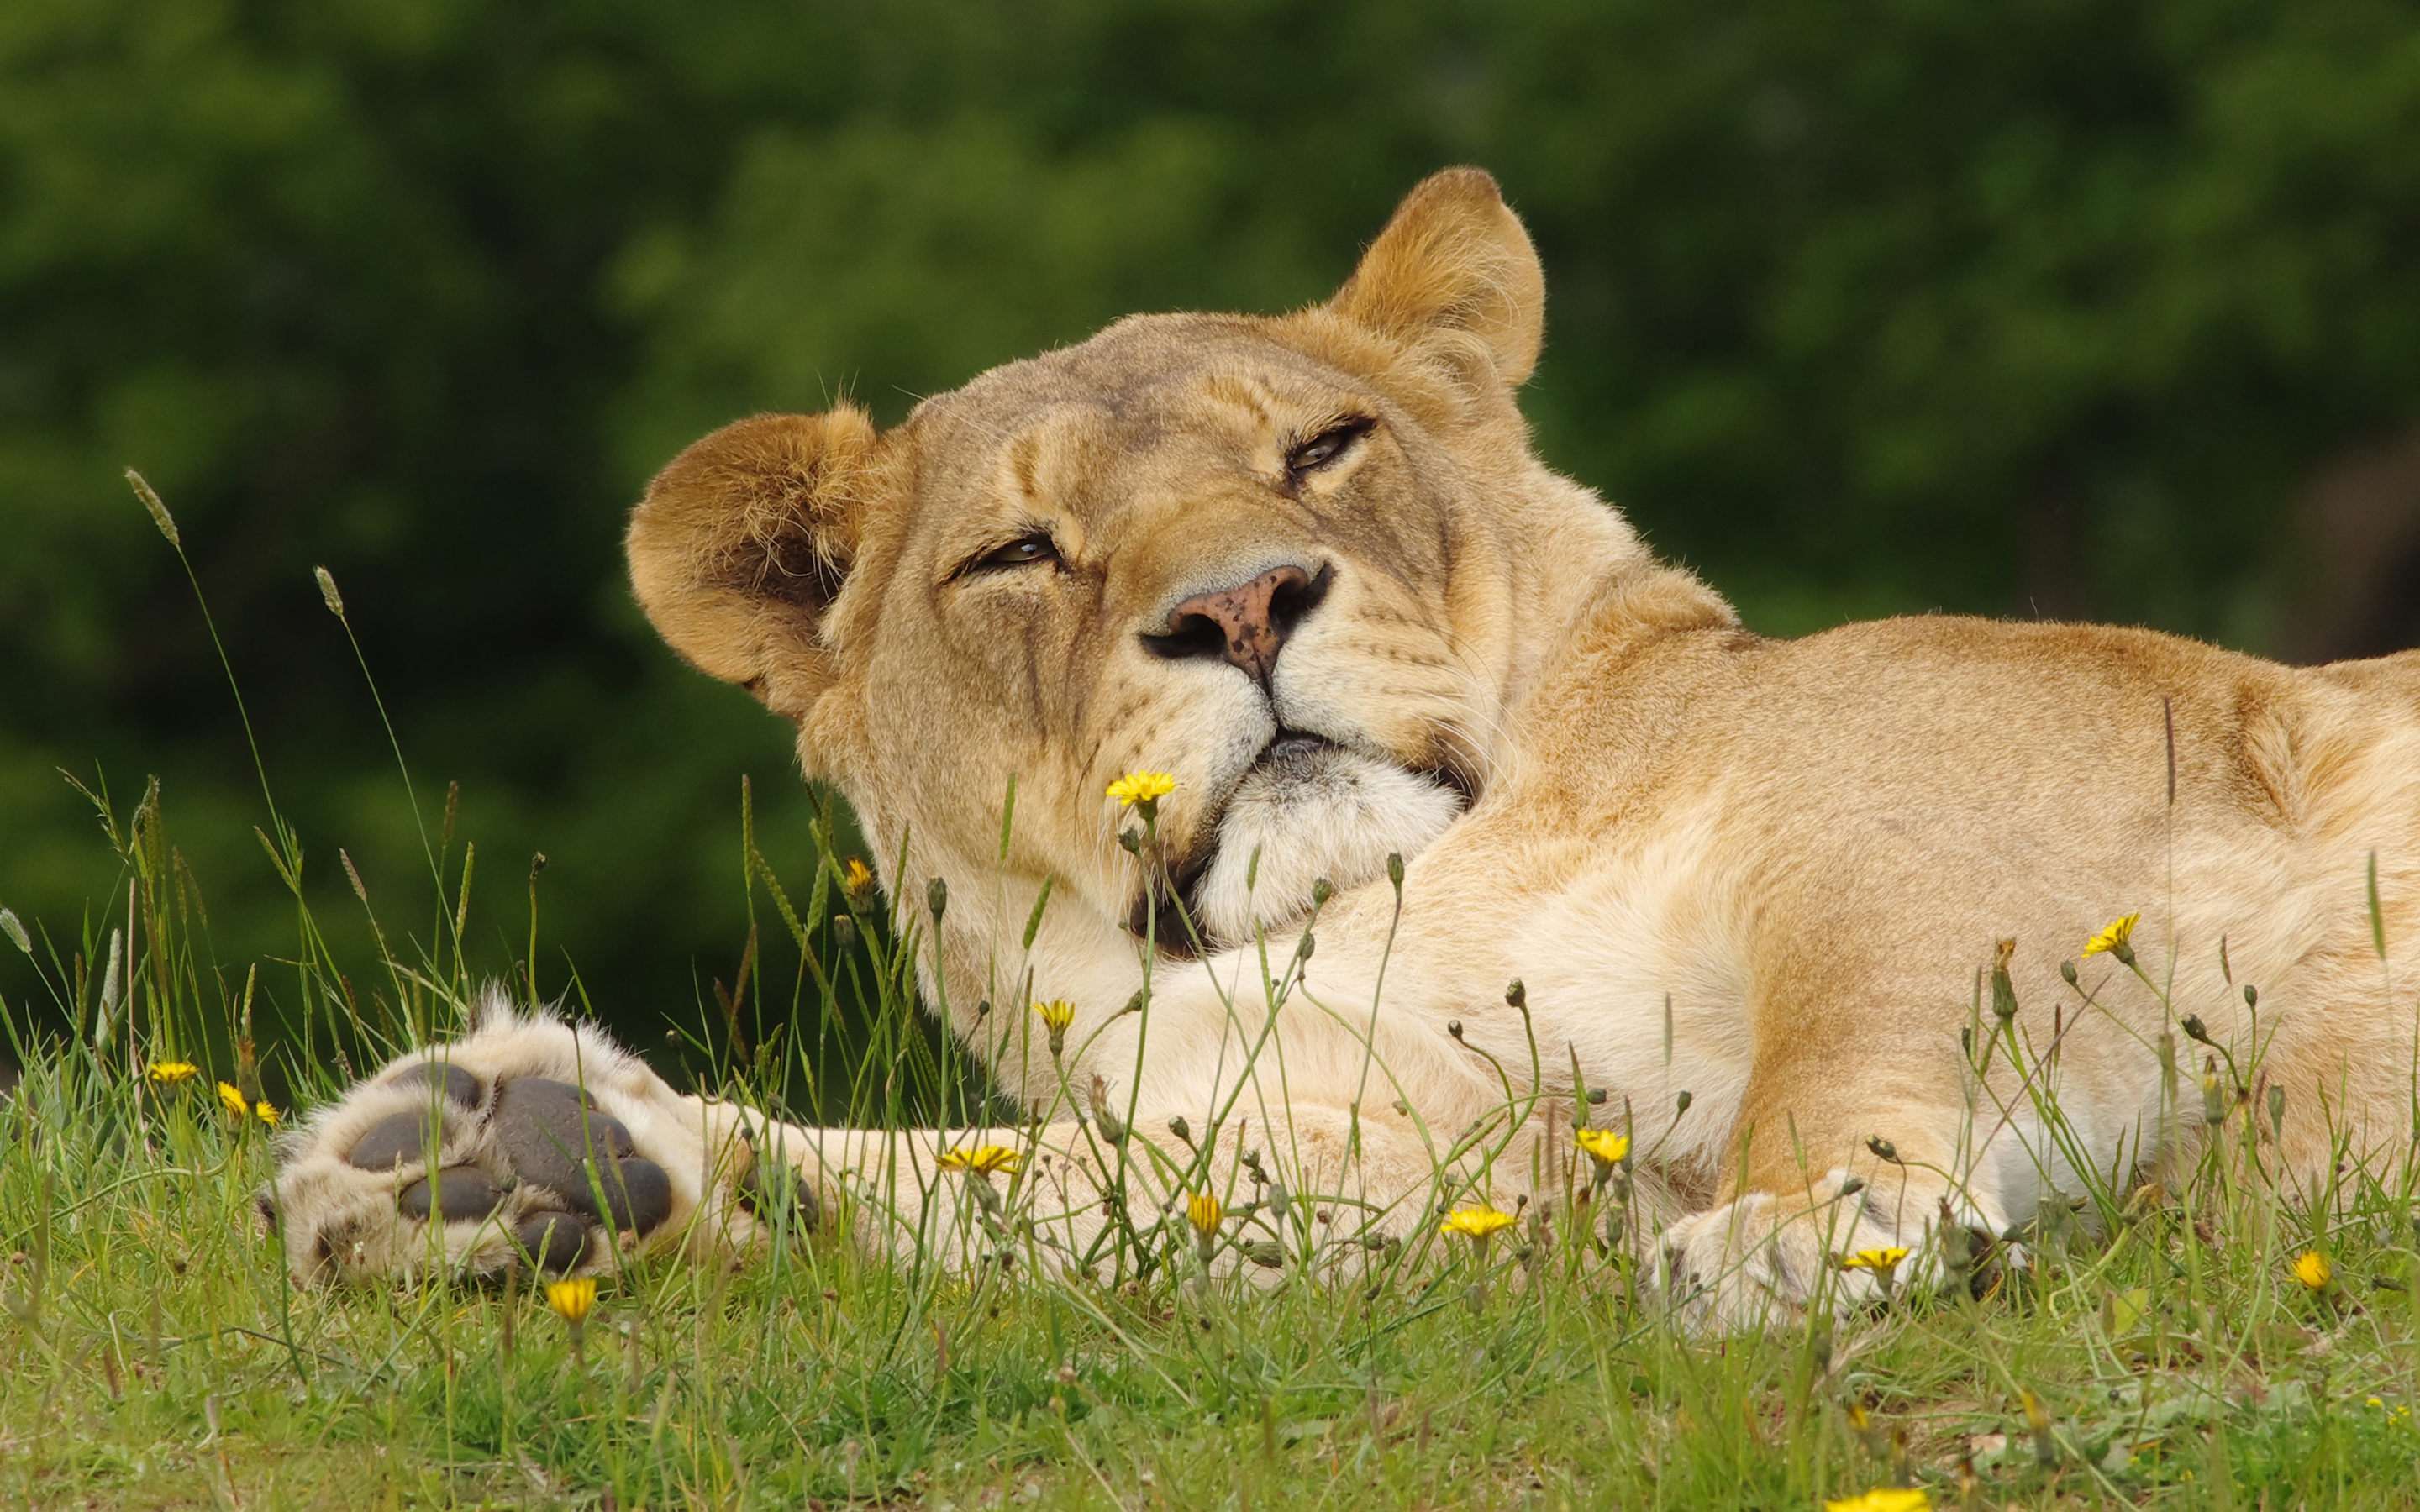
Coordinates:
(2157, 1348)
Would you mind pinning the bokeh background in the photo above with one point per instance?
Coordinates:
(2062, 307)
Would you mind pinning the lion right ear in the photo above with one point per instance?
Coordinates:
(744, 540)
(1453, 272)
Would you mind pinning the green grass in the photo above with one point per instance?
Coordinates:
(156, 1356)
(153, 1355)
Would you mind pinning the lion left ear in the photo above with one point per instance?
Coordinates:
(1453, 268)
(746, 538)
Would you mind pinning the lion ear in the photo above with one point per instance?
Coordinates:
(744, 540)
(1453, 268)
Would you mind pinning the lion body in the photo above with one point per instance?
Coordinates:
(1769, 873)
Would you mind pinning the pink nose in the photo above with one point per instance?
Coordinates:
(1247, 625)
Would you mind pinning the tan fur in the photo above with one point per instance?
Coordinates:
(1805, 848)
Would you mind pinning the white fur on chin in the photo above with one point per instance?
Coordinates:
(1324, 811)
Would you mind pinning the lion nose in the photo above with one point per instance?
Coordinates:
(1244, 625)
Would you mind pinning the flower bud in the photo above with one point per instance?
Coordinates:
(1112, 1128)
(1516, 995)
(1454, 1026)
(1395, 869)
(936, 897)
(1681, 1104)
(2195, 1029)
(843, 932)
(1265, 1252)
(2251, 995)
(1882, 1149)
(2067, 970)
(1180, 1128)
(1321, 890)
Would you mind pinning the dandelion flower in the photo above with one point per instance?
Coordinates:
(2313, 1270)
(1056, 1015)
(1884, 1499)
(855, 877)
(233, 1100)
(1142, 788)
(1204, 1211)
(170, 1073)
(572, 1301)
(1883, 1262)
(1603, 1146)
(2112, 940)
(265, 1113)
(1479, 1225)
(980, 1161)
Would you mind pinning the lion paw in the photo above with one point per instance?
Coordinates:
(1762, 1257)
(528, 1142)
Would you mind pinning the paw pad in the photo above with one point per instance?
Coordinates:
(398, 1139)
(457, 1192)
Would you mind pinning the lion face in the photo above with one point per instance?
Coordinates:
(1284, 561)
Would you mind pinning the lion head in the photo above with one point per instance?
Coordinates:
(1304, 565)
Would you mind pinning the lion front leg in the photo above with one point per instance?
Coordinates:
(1315, 1187)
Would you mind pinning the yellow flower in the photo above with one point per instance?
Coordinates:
(1880, 1261)
(1884, 1499)
(1477, 1223)
(2112, 939)
(855, 877)
(1056, 1015)
(2313, 1269)
(170, 1073)
(1205, 1212)
(571, 1300)
(980, 1160)
(1603, 1146)
(1142, 787)
(265, 1113)
(233, 1100)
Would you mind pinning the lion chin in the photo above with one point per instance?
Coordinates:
(1309, 811)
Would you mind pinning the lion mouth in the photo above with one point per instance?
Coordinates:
(1306, 805)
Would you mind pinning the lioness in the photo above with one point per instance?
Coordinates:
(1309, 569)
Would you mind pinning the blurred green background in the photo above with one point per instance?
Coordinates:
(2059, 307)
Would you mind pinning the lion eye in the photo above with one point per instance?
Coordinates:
(1022, 551)
(1325, 446)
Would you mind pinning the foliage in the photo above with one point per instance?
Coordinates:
(2048, 306)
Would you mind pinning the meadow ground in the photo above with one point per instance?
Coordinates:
(2195, 1333)
(2193, 1339)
